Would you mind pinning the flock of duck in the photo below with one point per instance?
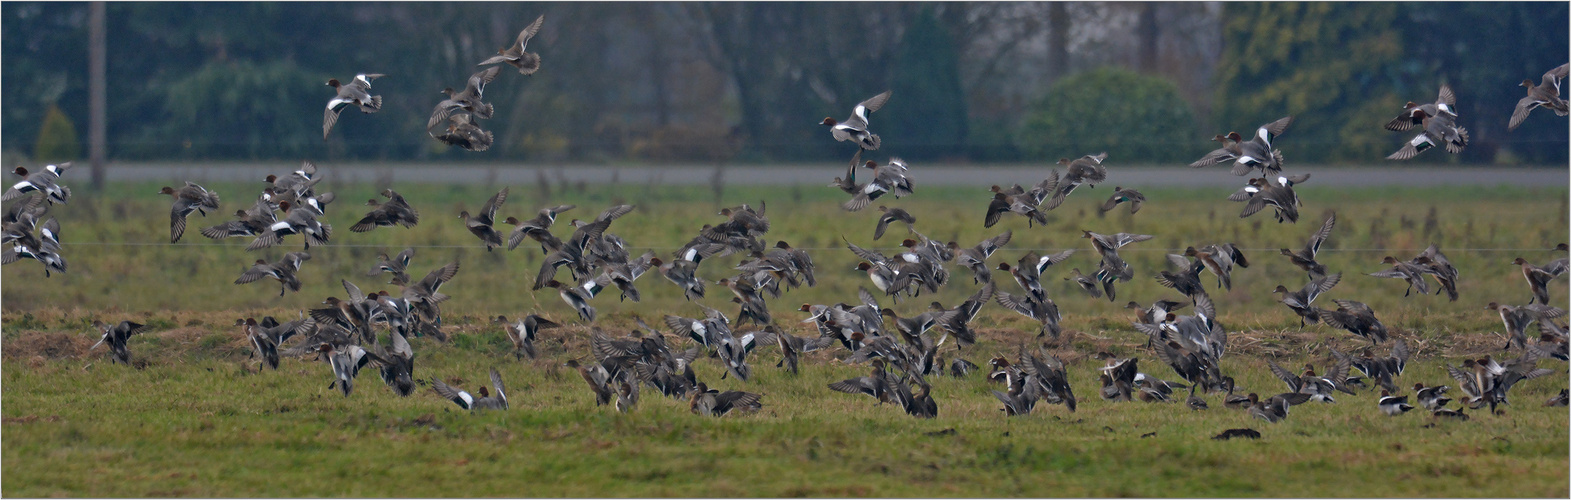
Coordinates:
(902, 351)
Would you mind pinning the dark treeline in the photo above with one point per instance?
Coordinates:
(704, 82)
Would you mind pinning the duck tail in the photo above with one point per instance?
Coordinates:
(373, 106)
(875, 141)
(484, 110)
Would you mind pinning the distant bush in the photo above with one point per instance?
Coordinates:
(1133, 117)
(57, 140)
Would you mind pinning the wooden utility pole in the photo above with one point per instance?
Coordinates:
(97, 115)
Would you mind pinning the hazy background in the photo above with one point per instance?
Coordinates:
(663, 82)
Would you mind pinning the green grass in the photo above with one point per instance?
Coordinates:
(193, 422)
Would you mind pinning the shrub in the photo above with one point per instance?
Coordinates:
(1133, 117)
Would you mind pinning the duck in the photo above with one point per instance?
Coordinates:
(395, 211)
(975, 258)
(249, 222)
(1043, 311)
(398, 364)
(892, 215)
(1539, 277)
(1219, 260)
(116, 336)
(1277, 195)
(575, 297)
(1434, 263)
(684, 273)
(1195, 402)
(267, 335)
(1404, 271)
(526, 62)
(1457, 414)
(848, 183)
(469, 402)
(1559, 399)
(1355, 317)
(1431, 398)
(705, 401)
(1438, 130)
(425, 294)
(1087, 170)
(1516, 319)
(467, 99)
(1108, 245)
(298, 183)
(46, 181)
(189, 198)
(300, 220)
(1305, 259)
(43, 247)
(346, 361)
(522, 332)
(1546, 94)
(875, 384)
(854, 129)
(1393, 405)
(597, 377)
(957, 324)
(462, 131)
(356, 92)
(480, 223)
(1413, 114)
(540, 224)
(395, 266)
(1302, 301)
(889, 178)
(1256, 153)
(283, 271)
(1187, 281)
(1228, 151)
(1004, 203)
(921, 405)
(1121, 195)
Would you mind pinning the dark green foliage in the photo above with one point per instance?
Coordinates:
(248, 110)
(57, 140)
(1133, 117)
(1343, 69)
(929, 120)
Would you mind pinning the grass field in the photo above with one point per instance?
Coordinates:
(192, 421)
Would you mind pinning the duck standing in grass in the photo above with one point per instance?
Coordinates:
(190, 198)
(357, 92)
(514, 55)
(1393, 405)
(854, 129)
(469, 402)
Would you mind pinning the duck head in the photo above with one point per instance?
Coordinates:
(333, 82)
(829, 122)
